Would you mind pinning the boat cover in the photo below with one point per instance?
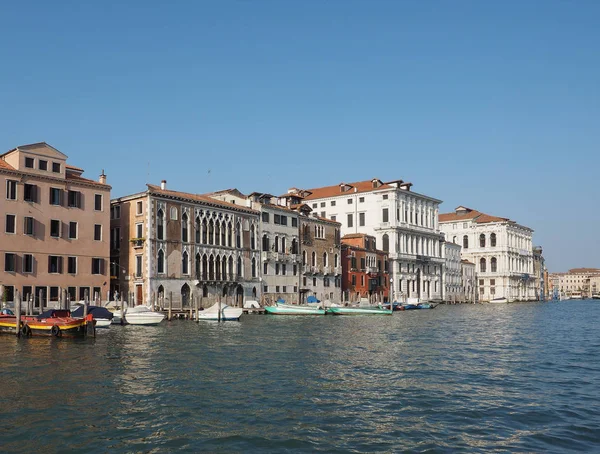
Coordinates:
(97, 311)
(312, 299)
(62, 313)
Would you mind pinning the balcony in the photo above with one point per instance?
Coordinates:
(137, 243)
(326, 270)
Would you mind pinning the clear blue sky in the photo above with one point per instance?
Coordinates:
(492, 105)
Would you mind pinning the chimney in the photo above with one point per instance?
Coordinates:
(102, 177)
(163, 184)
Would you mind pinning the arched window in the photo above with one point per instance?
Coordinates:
(239, 268)
(482, 265)
(223, 234)
(160, 225)
(204, 267)
(231, 276)
(198, 264)
(217, 233)
(204, 232)
(465, 242)
(304, 257)
(325, 259)
(265, 242)
(386, 243)
(314, 259)
(493, 240)
(253, 267)
(218, 268)
(454, 239)
(252, 239)
(294, 246)
(185, 269)
(482, 240)
(160, 265)
(335, 260)
(493, 265)
(184, 228)
(211, 232)
(224, 269)
(283, 245)
(198, 229)
(238, 236)
(211, 268)
(229, 235)
(276, 244)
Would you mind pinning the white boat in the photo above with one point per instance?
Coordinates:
(77, 310)
(293, 309)
(576, 296)
(142, 315)
(499, 301)
(227, 313)
(596, 296)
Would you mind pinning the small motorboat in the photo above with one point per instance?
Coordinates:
(102, 315)
(293, 309)
(498, 301)
(227, 313)
(53, 322)
(142, 315)
(365, 310)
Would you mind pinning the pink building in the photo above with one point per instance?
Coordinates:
(54, 226)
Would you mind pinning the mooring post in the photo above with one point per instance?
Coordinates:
(86, 300)
(41, 300)
(17, 297)
(219, 316)
(192, 308)
(64, 299)
(170, 306)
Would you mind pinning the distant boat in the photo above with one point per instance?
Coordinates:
(292, 309)
(596, 296)
(227, 313)
(499, 301)
(576, 296)
(359, 311)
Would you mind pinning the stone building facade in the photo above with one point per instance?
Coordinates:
(453, 281)
(55, 224)
(173, 244)
(469, 282)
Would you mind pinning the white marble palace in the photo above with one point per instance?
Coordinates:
(404, 223)
(501, 249)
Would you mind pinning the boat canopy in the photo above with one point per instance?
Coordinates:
(281, 300)
(97, 311)
(54, 313)
(312, 299)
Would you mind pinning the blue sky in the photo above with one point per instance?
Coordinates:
(492, 105)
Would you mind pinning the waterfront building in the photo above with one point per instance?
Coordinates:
(166, 243)
(469, 281)
(453, 279)
(500, 248)
(404, 224)
(539, 267)
(320, 249)
(365, 269)
(576, 283)
(280, 259)
(55, 222)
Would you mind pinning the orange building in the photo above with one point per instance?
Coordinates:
(365, 269)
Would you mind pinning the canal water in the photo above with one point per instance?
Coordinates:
(470, 378)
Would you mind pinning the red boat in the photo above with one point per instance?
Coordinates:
(54, 322)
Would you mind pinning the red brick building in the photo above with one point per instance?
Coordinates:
(365, 269)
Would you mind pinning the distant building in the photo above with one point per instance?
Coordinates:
(501, 250)
(453, 281)
(55, 226)
(469, 282)
(365, 269)
(539, 267)
(576, 283)
(169, 244)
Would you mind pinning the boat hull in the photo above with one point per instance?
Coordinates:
(293, 310)
(359, 311)
(49, 327)
(144, 319)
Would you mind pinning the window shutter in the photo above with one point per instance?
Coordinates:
(102, 266)
(60, 265)
(60, 197)
(78, 199)
(49, 264)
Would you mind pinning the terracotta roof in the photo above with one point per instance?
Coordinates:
(200, 198)
(78, 178)
(333, 191)
(5, 165)
(584, 271)
(466, 261)
(354, 235)
(68, 166)
(470, 214)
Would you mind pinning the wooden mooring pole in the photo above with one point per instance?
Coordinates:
(170, 306)
(17, 297)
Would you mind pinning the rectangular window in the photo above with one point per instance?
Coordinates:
(350, 220)
(97, 266)
(55, 228)
(295, 269)
(283, 220)
(98, 202)
(138, 208)
(10, 262)
(283, 270)
(42, 164)
(385, 215)
(333, 218)
(277, 288)
(54, 264)
(139, 228)
(276, 219)
(265, 268)
(10, 223)
(361, 200)
(284, 289)
(97, 232)
(363, 263)
(265, 217)
(361, 219)
(30, 192)
(385, 196)
(276, 268)
(322, 214)
(492, 281)
(294, 222)
(27, 263)
(72, 265)
(11, 189)
(332, 203)
(322, 204)
(353, 279)
(117, 212)
(56, 167)
(28, 224)
(29, 163)
(314, 205)
(138, 266)
(55, 196)
(72, 230)
(349, 201)
(74, 199)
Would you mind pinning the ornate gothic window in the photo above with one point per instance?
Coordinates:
(493, 240)
(482, 240)
(160, 265)
(465, 242)
(160, 225)
(493, 265)
(482, 265)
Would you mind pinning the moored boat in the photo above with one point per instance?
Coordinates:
(596, 296)
(227, 313)
(102, 316)
(498, 301)
(53, 322)
(291, 309)
(142, 315)
(359, 311)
